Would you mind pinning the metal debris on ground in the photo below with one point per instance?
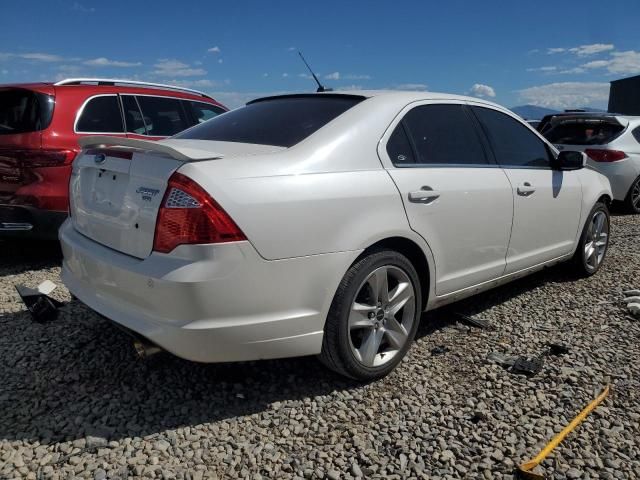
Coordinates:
(42, 307)
(474, 322)
(558, 349)
(517, 364)
(439, 350)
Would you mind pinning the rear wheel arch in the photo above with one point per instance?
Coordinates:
(414, 253)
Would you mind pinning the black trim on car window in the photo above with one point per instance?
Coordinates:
(474, 110)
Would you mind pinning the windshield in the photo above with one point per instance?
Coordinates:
(280, 121)
(583, 132)
(23, 111)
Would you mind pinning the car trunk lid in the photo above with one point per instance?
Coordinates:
(117, 185)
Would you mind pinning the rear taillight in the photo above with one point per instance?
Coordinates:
(605, 155)
(188, 215)
(45, 157)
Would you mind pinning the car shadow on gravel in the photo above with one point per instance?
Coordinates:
(19, 256)
(78, 376)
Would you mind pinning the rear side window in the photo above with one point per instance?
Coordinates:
(203, 111)
(132, 115)
(583, 132)
(399, 147)
(636, 134)
(163, 116)
(280, 121)
(444, 135)
(513, 144)
(101, 115)
(23, 111)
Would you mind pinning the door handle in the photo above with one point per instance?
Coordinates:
(425, 195)
(525, 189)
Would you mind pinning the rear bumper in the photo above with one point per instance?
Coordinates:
(208, 303)
(29, 222)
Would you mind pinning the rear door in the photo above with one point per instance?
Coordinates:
(547, 203)
(454, 196)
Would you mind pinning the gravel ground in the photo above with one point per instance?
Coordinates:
(76, 403)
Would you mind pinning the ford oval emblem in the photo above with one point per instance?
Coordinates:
(100, 158)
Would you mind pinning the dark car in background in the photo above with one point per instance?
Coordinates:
(40, 124)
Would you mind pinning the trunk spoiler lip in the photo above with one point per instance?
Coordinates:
(184, 154)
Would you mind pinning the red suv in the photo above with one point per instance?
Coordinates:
(40, 124)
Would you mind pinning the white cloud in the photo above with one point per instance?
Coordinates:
(572, 71)
(40, 57)
(175, 68)
(354, 76)
(619, 63)
(564, 95)
(200, 83)
(105, 62)
(547, 69)
(585, 50)
(285, 75)
(291, 49)
(304, 75)
(333, 76)
(5, 71)
(215, 49)
(77, 6)
(409, 86)
(265, 75)
(481, 90)
(596, 64)
(219, 60)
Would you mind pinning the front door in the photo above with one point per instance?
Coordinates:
(546, 202)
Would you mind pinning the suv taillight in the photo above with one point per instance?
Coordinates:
(38, 158)
(605, 155)
(189, 215)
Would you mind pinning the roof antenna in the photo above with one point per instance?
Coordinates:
(321, 88)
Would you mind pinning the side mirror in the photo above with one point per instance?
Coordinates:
(568, 160)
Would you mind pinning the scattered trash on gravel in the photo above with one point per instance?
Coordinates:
(474, 322)
(632, 300)
(439, 350)
(42, 307)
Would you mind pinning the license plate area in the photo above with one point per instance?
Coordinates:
(105, 191)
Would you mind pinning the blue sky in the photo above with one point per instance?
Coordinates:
(557, 54)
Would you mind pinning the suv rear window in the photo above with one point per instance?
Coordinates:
(23, 111)
(280, 121)
(583, 132)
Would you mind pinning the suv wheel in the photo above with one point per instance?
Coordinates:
(594, 241)
(632, 202)
(373, 318)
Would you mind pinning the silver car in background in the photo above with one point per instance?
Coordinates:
(322, 224)
(612, 145)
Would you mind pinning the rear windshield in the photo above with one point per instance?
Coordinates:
(23, 111)
(280, 121)
(583, 132)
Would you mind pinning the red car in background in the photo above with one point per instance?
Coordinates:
(40, 124)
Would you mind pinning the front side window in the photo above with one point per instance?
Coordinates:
(281, 121)
(101, 115)
(203, 111)
(163, 117)
(444, 135)
(513, 144)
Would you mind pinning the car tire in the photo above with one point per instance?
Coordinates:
(632, 201)
(368, 332)
(594, 242)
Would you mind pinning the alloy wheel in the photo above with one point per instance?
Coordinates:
(635, 196)
(597, 240)
(381, 316)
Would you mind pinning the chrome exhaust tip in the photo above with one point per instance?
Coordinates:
(145, 350)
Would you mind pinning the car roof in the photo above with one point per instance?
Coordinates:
(400, 96)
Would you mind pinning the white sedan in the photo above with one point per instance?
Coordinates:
(322, 224)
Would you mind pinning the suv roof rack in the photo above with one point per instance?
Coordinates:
(114, 81)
